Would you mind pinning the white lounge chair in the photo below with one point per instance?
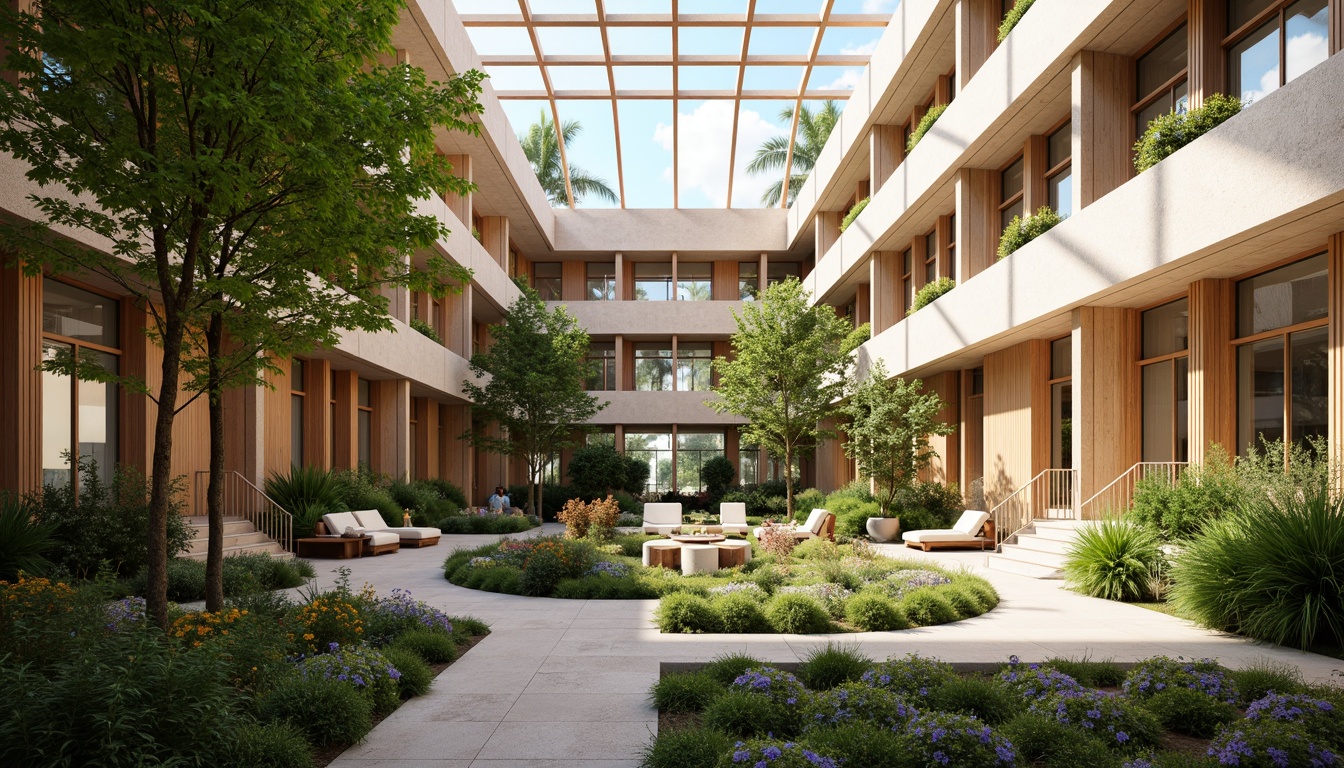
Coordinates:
(379, 541)
(819, 523)
(965, 533)
(733, 517)
(372, 520)
(662, 518)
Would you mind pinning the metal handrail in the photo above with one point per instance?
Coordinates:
(243, 499)
(1118, 495)
(1051, 494)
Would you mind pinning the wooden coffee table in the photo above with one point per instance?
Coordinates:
(698, 538)
(338, 547)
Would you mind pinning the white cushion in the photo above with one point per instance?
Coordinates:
(937, 535)
(337, 522)
(661, 513)
(410, 534)
(814, 521)
(970, 522)
(370, 518)
(380, 538)
(733, 513)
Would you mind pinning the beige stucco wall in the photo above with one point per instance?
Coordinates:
(685, 230)
(655, 318)
(660, 409)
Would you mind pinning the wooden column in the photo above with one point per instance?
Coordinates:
(977, 36)
(1103, 87)
(1035, 193)
(724, 282)
(460, 205)
(390, 438)
(919, 247)
(21, 383)
(456, 456)
(977, 221)
(317, 424)
(863, 312)
(827, 230)
(1107, 407)
(495, 239)
(1335, 360)
(455, 327)
(1213, 372)
(1207, 27)
(246, 430)
(347, 419)
(946, 467)
(886, 150)
(1017, 417)
(732, 451)
(884, 277)
(427, 439)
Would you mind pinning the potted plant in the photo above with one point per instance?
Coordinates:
(885, 528)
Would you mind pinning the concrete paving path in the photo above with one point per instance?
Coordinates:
(564, 683)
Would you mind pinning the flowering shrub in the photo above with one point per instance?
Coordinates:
(1034, 681)
(30, 598)
(778, 754)
(1108, 716)
(739, 588)
(831, 596)
(778, 541)
(125, 613)
(898, 584)
(1316, 717)
(387, 618)
(511, 552)
(250, 647)
(359, 666)
(1161, 672)
(943, 738)
(608, 568)
(912, 675)
(326, 621)
(199, 626)
(483, 562)
(768, 681)
(856, 702)
(1267, 743)
(595, 520)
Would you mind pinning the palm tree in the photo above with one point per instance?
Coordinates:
(543, 151)
(813, 128)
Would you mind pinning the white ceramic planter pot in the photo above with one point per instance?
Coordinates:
(882, 529)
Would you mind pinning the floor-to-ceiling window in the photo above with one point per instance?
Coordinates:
(546, 280)
(1059, 171)
(1165, 371)
(655, 450)
(601, 367)
(79, 414)
(693, 450)
(365, 423)
(1061, 403)
(653, 282)
(298, 395)
(1282, 370)
(748, 279)
(694, 282)
(695, 361)
(653, 366)
(601, 281)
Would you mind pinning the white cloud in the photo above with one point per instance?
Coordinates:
(878, 6)
(864, 49)
(845, 82)
(704, 136)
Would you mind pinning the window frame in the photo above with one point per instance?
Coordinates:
(1143, 101)
(607, 282)
(558, 293)
(1278, 9)
(1169, 357)
(1019, 197)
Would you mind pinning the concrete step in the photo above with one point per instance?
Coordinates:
(1005, 563)
(199, 543)
(200, 527)
(1026, 555)
(271, 548)
(1044, 544)
(1056, 530)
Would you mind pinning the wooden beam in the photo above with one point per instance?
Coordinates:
(737, 111)
(550, 98)
(611, 83)
(878, 20)
(798, 102)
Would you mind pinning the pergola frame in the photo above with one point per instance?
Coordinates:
(674, 22)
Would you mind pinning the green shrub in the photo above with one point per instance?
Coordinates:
(108, 524)
(1159, 673)
(1093, 674)
(416, 676)
(1021, 231)
(1267, 743)
(1269, 570)
(123, 699)
(270, 745)
(853, 214)
(681, 612)
(873, 612)
(632, 545)
(23, 541)
(910, 675)
(807, 500)
(447, 491)
(543, 571)
(307, 493)
(1264, 676)
(325, 711)
(740, 613)
(1168, 133)
(1013, 16)
(1112, 559)
(744, 714)
(1185, 710)
(360, 667)
(504, 580)
(851, 515)
(434, 647)
(417, 497)
(259, 572)
(926, 607)
(797, 614)
(925, 124)
(495, 525)
(1120, 722)
(364, 489)
(943, 738)
(685, 692)
(1202, 492)
(854, 703)
(978, 697)
(595, 470)
(829, 666)
(768, 577)
(687, 748)
(931, 291)
(728, 667)
(425, 329)
(965, 602)
(858, 744)
(1043, 740)
(717, 473)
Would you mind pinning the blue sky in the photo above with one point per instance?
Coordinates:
(704, 126)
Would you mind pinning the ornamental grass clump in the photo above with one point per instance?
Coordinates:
(1168, 133)
(744, 714)
(942, 738)
(927, 608)
(326, 711)
(682, 612)
(1185, 710)
(832, 665)
(740, 612)
(980, 698)
(432, 646)
(874, 613)
(697, 747)
(1022, 230)
(1041, 740)
(1113, 560)
(689, 692)
(1161, 673)
(414, 676)
(730, 666)
(797, 614)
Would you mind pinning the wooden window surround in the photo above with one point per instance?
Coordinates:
(1162, 367)
(1172, 94)
(907, 281)
(1276, 12)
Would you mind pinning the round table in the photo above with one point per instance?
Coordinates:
(698, 538)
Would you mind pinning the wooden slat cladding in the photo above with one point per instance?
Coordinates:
(20, 382)
(977, 36)
(1107, 405)
(946, 466)
(1103, 87)
(885, 277)
(1335, 428)
(1213, 380)
(1017, 417)
(317, 426)
(886, 150)
(977, 221)
(725, 281)
(573, 275)
(455, 455)
(1208, 67)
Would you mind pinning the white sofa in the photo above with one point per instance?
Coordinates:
(379, 542)
(810, 529)
(662, 518)
(733, 517)
(964, 533)
(372, 520)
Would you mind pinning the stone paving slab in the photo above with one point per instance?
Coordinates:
(564, 683)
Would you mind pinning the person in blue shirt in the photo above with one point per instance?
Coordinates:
(499, 502)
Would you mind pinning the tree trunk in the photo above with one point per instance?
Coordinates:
(214, 558)
(161, 477)
(788, 479)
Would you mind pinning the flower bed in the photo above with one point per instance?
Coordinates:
(915, 711)
(817, 587)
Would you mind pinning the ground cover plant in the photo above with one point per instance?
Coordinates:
(818, 586)
(265, 682)
(841, 708)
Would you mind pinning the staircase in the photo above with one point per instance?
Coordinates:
(241, 537)
(1038, 550)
